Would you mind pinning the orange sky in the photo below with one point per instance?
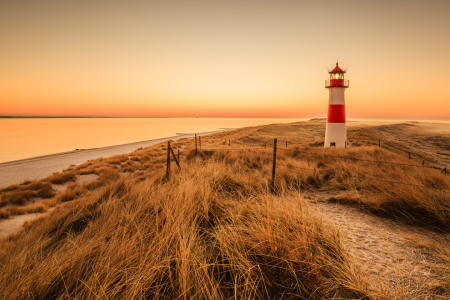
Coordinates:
(223, 58)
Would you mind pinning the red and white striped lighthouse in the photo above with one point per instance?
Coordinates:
(336, 130)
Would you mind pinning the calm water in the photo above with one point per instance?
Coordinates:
(24, 138)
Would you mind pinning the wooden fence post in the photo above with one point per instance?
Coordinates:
(409, 155)
(200, 142)
(174, 157)
(423, 164)
(168, 160)
(178, 154)
(274, 161)
(195, 144)
(345, 144)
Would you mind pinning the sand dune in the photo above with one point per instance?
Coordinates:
(39, 167)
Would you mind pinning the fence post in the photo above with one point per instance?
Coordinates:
(178, 154)
(274, 161)
(200, 142)
(168, 160)
(195, 144)
(345, 144)
(177, 161)
(423, 164)
(409, 155)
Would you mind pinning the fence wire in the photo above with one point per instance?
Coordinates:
(264, 147)
(359, 159)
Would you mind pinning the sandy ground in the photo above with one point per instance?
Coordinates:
(14, 223)
(381, 247)
(40, 167)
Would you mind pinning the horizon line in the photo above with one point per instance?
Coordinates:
(143, 117)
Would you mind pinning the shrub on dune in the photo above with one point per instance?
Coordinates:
(61, 178)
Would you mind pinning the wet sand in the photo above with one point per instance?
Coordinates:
(39, 167)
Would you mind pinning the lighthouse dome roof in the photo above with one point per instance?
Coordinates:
(337, 69)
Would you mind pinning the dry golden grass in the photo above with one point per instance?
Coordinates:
(218, 228)
(414, 195)
(60, 178)
(72, 191)
(27, 209)
(212, 231)
(417, 196)
(4, 214)
(17, 197)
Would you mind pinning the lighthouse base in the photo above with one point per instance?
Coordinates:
(336, 135)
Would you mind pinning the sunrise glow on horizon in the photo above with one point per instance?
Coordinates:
(222, 58)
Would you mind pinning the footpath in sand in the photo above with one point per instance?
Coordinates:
(14, 223)
(396, 258)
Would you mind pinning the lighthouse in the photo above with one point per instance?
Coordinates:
(336, 130)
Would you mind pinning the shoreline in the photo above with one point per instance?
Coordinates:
(38, 167)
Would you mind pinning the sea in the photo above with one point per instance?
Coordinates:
(22, 138)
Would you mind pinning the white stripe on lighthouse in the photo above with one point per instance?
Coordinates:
(337, 96)
(336, 129)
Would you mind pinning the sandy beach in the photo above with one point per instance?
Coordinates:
(39, 167)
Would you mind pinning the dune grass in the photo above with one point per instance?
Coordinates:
(212, 231)
(60, 178)
(376, 179)
(219, 228)
(20, 194)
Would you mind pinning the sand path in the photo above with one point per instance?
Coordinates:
(39, 167)
(382, 247)
(14, 223)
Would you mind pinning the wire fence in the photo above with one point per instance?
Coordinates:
(275, 164)
(287, 143)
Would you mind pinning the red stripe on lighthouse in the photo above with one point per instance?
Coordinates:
(336, 113)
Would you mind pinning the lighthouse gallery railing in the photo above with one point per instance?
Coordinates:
(337, 83)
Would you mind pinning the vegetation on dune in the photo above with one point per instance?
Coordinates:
(212, 231)
(60, 178)
(219, 228)
(20, 194)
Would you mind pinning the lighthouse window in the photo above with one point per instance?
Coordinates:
(341, 76)
(336, 76)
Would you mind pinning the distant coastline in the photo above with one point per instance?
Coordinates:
(146, 117)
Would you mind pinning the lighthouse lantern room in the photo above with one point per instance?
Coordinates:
(336, 131)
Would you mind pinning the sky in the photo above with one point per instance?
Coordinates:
(223, 58)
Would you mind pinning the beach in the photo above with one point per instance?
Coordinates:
(34, 168)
